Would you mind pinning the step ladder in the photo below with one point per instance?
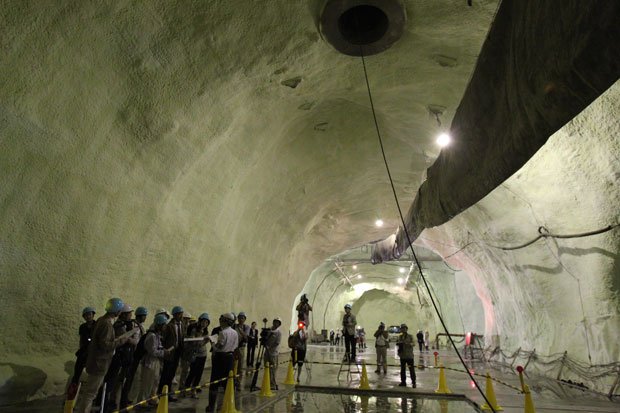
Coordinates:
(345, 366)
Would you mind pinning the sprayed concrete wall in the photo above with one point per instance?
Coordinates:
(212, 155)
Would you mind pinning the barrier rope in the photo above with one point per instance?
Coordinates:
(422, 367)
(188, 389)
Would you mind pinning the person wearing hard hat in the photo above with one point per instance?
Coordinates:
(381, 345)
(244, 331)
(223, 348)
(184, 362)
(159, 311)
(303, 309)
(152, 360)
(141, 313)
(85, 331)
(123, 356)
(299, 346)
(173, 336)
(405, 352)
(100, 353)
(197, 351)
(271, 350)
(348, 331)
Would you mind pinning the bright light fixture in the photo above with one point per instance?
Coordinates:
(359, 276)
(379, 223)
(443, 140)
(354, 267)
(401, 270)
(401, 280)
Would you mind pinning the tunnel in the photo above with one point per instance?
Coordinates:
(231, 156)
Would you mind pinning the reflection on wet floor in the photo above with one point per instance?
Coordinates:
(298, 402)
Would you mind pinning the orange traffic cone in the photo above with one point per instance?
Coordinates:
(490, 394)
(442, 388)
(265, 390)
(364, 385)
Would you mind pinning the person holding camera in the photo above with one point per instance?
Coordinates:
(272, 342)
(405, 352)
(223, 356)
(303, 310)
(348, 331)
(381, 345)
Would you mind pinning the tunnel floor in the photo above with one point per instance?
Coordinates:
(321, 391)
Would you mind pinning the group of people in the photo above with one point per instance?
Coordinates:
(117, 346)
(405, 344)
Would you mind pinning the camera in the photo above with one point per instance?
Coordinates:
(265, 332)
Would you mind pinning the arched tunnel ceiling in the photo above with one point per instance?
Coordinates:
(212, 154)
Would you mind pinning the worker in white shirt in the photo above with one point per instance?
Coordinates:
(223, 356)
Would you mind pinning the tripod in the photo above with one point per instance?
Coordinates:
(259, 358)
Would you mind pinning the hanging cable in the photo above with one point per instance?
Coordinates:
(410, 244)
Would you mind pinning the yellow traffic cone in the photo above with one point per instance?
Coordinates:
(290, 374)
(443, 406)
(529, 403)
(443, 386)
(162, 407)
(490, 394)
(229, 396)
(265, 390)
(364, 404)
(72, 393)
(364, 385)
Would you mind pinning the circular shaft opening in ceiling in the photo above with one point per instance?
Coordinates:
(354, 27)
(363, 25)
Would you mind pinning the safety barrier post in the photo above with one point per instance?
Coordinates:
(364, 385)
(562, 365)
(162, 406)
(229, 396)
(490, 395)
(72, 392)
(442, 387)
(265, 390)
(290, 374)
(436, 354)
(520, 371)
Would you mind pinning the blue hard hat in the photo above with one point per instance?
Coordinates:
(177, 309)
(88, 310)
(141, 311)
(242, 314)
(161, 319)
(204, 316)
(114, 305)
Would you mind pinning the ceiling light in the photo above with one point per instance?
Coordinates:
(443, 140)
(401, 270)
(401, 280)
(354, 267)
(379, 223)
(359, 276)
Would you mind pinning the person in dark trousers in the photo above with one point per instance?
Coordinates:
(223, 356)
(252, 343)
(298, 353)
(86, 333)
(348, 331)
(141, 313)
(123, 357)
(420, 337)
(198, 351)
(173, 337)
(303, 309)
(405, 352)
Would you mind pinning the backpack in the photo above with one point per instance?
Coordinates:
(291, 341)
(139, 352)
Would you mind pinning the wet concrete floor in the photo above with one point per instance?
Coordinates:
(323, 389)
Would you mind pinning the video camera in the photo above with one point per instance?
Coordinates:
(265, 332)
